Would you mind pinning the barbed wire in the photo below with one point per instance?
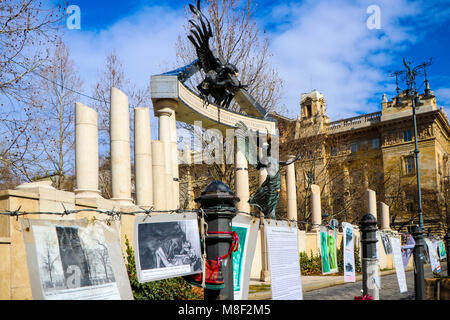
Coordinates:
(200, 213)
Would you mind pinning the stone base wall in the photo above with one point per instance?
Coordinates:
(14, 277)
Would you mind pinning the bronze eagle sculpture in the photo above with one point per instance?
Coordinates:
(220, 81)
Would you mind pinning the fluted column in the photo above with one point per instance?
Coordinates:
(371, 200)
(316, 208)
(159, 175)
(143, 157)
(291, 188)
(164, 110)
(86, 152)
(241, 181)
(174, 160)
(120, 148)
(384, 216)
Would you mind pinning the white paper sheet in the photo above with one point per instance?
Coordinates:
(284, 266)
(398, 263)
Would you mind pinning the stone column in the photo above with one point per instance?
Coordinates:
(174, 161)
(371, 199)
(164, 109)
(384, 216)
(86, 152)
(241, 181)
(120, 148)
(159, 175)
(291, 188)
(316, 208)
(143, 157)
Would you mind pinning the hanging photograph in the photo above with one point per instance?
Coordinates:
(247, 230)
(332, 250)
(433, 254)
(386, 243)
(442, 252)
(75, 260)
(167, 246)
(349, 252)
(324, 250)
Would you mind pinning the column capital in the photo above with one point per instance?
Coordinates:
(164, 107)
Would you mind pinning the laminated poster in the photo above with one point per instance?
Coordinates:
(75, 260)
(349, 252)
(324, 251)
(167, 246)
(398, 264)
(328, 251)
(442, 252)
(386, 243)
(284, 264)
(434, 256)
(247, 230)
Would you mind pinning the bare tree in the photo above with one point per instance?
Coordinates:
(55, 99)
(114, 75)
(237, 39)
(26, 28)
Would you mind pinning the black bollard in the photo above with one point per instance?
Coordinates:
(218, 203)
(419, 260)
(447, 244)
(370, 267)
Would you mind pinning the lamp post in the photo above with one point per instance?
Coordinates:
(418, 232)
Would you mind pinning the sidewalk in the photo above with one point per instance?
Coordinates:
(309, 283)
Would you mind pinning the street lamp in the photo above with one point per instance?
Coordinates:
(411, 93)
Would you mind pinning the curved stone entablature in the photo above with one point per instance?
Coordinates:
(191, 108)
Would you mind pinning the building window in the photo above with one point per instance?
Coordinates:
(407, 135)
(333, 151)
(376, 143)
(409, 165)
(307, 111)
(353, 147)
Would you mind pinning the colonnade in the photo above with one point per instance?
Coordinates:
(155, 161)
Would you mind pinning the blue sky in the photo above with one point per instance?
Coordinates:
(316, 44)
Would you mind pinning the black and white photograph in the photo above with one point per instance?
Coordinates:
(73, 262)
(168, 249)
(386, 243)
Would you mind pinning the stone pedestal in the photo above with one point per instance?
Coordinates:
(316, 208)
(143, 158)
(120, 148)
(86, 152)
(159, 175)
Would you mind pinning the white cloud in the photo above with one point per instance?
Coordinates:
(145, 43)
(327, 46)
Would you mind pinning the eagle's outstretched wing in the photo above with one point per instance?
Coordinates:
(199, 37)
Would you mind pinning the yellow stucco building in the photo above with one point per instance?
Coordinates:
(372, 151)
